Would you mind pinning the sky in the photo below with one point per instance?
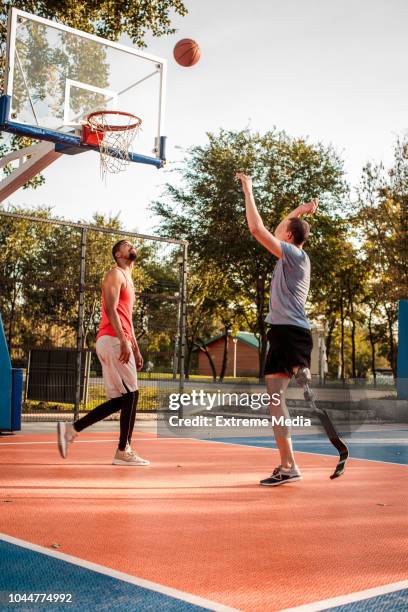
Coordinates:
(329, 70)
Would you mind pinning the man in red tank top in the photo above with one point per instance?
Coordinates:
(119, 354)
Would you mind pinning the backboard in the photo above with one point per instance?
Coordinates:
(56, 76)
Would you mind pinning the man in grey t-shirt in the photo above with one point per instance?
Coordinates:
(289, 287)
(290, 340)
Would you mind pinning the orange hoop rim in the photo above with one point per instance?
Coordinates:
(106, 127)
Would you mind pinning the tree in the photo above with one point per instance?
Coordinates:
(206, 285)
(208, 208)
(39, 284)
(106, 18)
(382, 223)
(212, 309)
(19, 245)
(157, 303)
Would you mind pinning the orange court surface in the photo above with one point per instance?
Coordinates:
(194, 530)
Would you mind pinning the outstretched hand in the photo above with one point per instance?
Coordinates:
(309, 208)
(246, 180)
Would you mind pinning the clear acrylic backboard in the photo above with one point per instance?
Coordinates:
(56, 76)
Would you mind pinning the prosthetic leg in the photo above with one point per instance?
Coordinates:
(304, 378)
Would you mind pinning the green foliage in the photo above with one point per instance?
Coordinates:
(208, 210)
(381, 221)
(358, 250)
(106, 18)
(39, 284)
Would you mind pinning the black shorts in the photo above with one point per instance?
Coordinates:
(289, 346)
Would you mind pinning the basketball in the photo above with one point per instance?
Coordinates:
(187, 52)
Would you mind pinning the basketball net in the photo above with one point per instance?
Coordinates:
(114, 133)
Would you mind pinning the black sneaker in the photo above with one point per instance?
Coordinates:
(281, 475)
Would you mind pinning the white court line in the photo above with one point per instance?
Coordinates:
(51, 442)
(326, 604)
(377, 441)
(295, 450)
(85, 441)
(252, 446)
(141, 582)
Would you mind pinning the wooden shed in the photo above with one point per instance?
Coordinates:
(243, 349)
(243, 357)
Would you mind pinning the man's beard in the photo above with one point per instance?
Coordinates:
(132, 256)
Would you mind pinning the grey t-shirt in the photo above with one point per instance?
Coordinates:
(289, 288)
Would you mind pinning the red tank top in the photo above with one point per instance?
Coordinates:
(124, 310)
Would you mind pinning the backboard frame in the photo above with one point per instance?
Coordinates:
(71, 143)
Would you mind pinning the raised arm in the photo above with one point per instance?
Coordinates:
(303, 209)
(255, 223)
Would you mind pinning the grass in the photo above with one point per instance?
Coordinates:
(153, 398)
(150, 400)
(193, 377)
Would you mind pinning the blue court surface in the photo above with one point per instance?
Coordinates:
(384, 445)
(84, 586)
(38, 572)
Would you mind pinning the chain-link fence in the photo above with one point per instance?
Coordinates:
(50, 303)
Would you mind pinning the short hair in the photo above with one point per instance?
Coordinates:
(300, 230)
(116, 248)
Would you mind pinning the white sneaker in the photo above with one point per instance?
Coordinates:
(66, 435)
(134, 453)
(128, 457)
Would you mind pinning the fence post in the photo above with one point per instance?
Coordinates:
(183, 318)
(80, 327)
(176, 352)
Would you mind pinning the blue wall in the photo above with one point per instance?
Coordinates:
(5, 382)
(402, 364)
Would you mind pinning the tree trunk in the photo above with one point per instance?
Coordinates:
(372, 344)
(329, 338)
(353, 336)
(225, 355)
(342, 338)
(12, 314)
(187, 362)
(353, 349)
(392, 352)
(203, 348)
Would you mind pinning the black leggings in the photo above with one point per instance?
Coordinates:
(126, 404)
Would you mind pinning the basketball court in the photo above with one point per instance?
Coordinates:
(193, 530)
(196, 531)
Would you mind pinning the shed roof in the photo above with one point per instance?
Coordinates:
(246, 337)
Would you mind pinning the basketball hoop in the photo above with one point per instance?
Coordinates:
(113, 132)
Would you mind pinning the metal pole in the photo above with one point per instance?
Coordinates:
(176, 352)
(176, 347)
(183, 321)
(103, 230)
(80, 327)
